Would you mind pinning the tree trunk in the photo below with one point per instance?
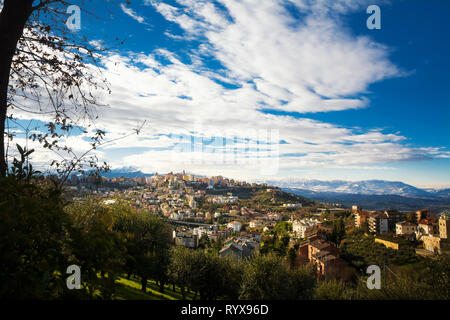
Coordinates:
(161, 286)
(144, 284)
(13, 17)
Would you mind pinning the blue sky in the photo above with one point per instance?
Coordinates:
(333, 99)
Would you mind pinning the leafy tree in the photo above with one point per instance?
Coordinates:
(333, 290)
(292, 256)
(214, 276)
(204, 242)
(411, 217)
(40, 57)
(281, 245)
(95, 246)
(206, 274)
(437, 275)
(148, 242)
(32, 235)
(179, 270)
(282, 227)
(338, 232)
(266, 277)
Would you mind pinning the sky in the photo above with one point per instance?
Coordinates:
(273, 89)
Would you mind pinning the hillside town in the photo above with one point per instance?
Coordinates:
(240, 219)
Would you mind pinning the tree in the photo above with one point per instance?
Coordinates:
(148, 243)
(292, 256)
(180, 267)
(338, 232)
(13, 17)
(207, 274)
(266, 277)
(33, 234)
(437, 275)
(95, 246)
(282, 227)
(411, 217)
(334, 290)
(204, 242)
(42, 62)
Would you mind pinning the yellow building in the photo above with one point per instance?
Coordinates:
(444, 225)
(431, 243)
(387, 244)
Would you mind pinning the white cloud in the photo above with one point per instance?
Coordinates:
(314, 61)
(275, 62)
(132, 13)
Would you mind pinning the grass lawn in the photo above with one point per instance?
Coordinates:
(130, 289)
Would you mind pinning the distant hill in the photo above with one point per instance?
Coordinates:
(127, 172)
(261, 195)
(441, 192)
(280, 196)
(370, 194)
(375, 202)
(366, 187)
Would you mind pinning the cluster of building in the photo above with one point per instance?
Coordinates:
(292, 205)
(190, 237)
(174, 196)
(222, 199)
(423, 225)
(323, 255)
(86, 180)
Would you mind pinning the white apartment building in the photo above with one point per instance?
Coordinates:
(256, 223)
(292, 205)
(235, 225)
(304, 226)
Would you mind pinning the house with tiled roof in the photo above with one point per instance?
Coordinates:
(240, 247)
(405, 228)
(323, 255)
(428, 226)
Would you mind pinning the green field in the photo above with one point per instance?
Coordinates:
(130, 289)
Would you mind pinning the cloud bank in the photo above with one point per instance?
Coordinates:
(291, 56)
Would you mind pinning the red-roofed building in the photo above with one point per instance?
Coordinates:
(428, 226)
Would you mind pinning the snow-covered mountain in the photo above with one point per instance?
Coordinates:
(126, 172)
(367, 187)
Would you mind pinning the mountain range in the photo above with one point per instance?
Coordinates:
(370, 194)
(365, 187)
(126, 172)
